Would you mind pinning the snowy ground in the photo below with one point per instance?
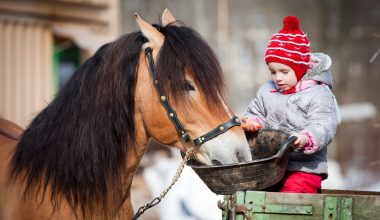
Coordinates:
(354, 179)
(189, 199)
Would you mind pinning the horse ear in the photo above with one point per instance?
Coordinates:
(167, 17)
(156, 39)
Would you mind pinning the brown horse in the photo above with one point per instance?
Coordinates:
(77, 158)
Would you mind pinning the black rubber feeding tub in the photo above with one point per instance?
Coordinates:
(270, 151)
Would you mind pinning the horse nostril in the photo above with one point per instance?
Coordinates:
(216, 162)
(240, 157)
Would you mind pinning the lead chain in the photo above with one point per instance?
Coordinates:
(155, 201)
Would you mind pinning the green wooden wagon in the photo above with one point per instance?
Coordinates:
(329, 205)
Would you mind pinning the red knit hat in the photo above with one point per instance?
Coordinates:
(290, 46)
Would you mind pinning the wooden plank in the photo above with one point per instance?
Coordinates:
(314, 200)
(349, 192)
(366, 207)
(343, 205)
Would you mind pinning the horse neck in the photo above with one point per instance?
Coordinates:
(135, 153)
(10, 129)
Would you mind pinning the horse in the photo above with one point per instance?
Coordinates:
(77, 157)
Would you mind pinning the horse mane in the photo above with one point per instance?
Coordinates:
(76, 147)
(194, 54)
(77, 144)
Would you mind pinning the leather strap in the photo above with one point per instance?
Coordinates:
(220, 129)
(164, 100)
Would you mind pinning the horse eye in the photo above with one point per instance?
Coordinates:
(188, 86)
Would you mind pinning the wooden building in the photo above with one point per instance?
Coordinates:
(35, 40)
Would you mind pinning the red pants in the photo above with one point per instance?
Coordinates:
(300, 182)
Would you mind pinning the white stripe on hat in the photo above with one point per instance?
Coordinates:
(285, 58)
(290, 51)
(291, 35)
(290, 42)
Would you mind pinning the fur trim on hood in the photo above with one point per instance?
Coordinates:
(319, 69)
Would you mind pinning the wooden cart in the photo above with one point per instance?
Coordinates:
(329, 205)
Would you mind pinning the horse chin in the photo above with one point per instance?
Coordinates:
(203, 160)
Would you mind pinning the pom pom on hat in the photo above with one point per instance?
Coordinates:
(291, 23)
(290, 46)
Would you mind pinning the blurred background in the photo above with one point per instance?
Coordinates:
(42, 42)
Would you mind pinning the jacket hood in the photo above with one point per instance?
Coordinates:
(319, 69)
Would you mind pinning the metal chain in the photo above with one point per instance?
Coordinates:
(155, 201)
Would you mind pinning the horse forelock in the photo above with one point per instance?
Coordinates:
(184, 48)
(77, 144)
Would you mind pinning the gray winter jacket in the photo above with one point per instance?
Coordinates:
(313, 110)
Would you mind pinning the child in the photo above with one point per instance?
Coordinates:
(298, 101)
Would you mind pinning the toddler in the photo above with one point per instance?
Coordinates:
(297, 100)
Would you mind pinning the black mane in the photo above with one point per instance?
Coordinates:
(192, 52)
(77, 145)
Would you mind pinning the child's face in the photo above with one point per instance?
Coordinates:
(282, 75)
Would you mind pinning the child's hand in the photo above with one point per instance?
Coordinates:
(250, 125)
(301, 141)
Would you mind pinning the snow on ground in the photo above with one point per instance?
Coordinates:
(335, 179)
(189, 199)
(354, 179)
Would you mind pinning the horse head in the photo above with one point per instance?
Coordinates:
(190, 78)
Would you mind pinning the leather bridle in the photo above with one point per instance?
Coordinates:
(197, 142)
(220, 129)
